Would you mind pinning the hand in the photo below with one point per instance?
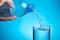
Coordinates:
(10, 3)
(2, 2)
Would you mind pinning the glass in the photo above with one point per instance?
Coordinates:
(41, 33)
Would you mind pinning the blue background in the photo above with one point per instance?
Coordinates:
(21, 27)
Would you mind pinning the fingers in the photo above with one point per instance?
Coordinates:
(9, 18)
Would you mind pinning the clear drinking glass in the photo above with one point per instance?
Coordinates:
(41, 33)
